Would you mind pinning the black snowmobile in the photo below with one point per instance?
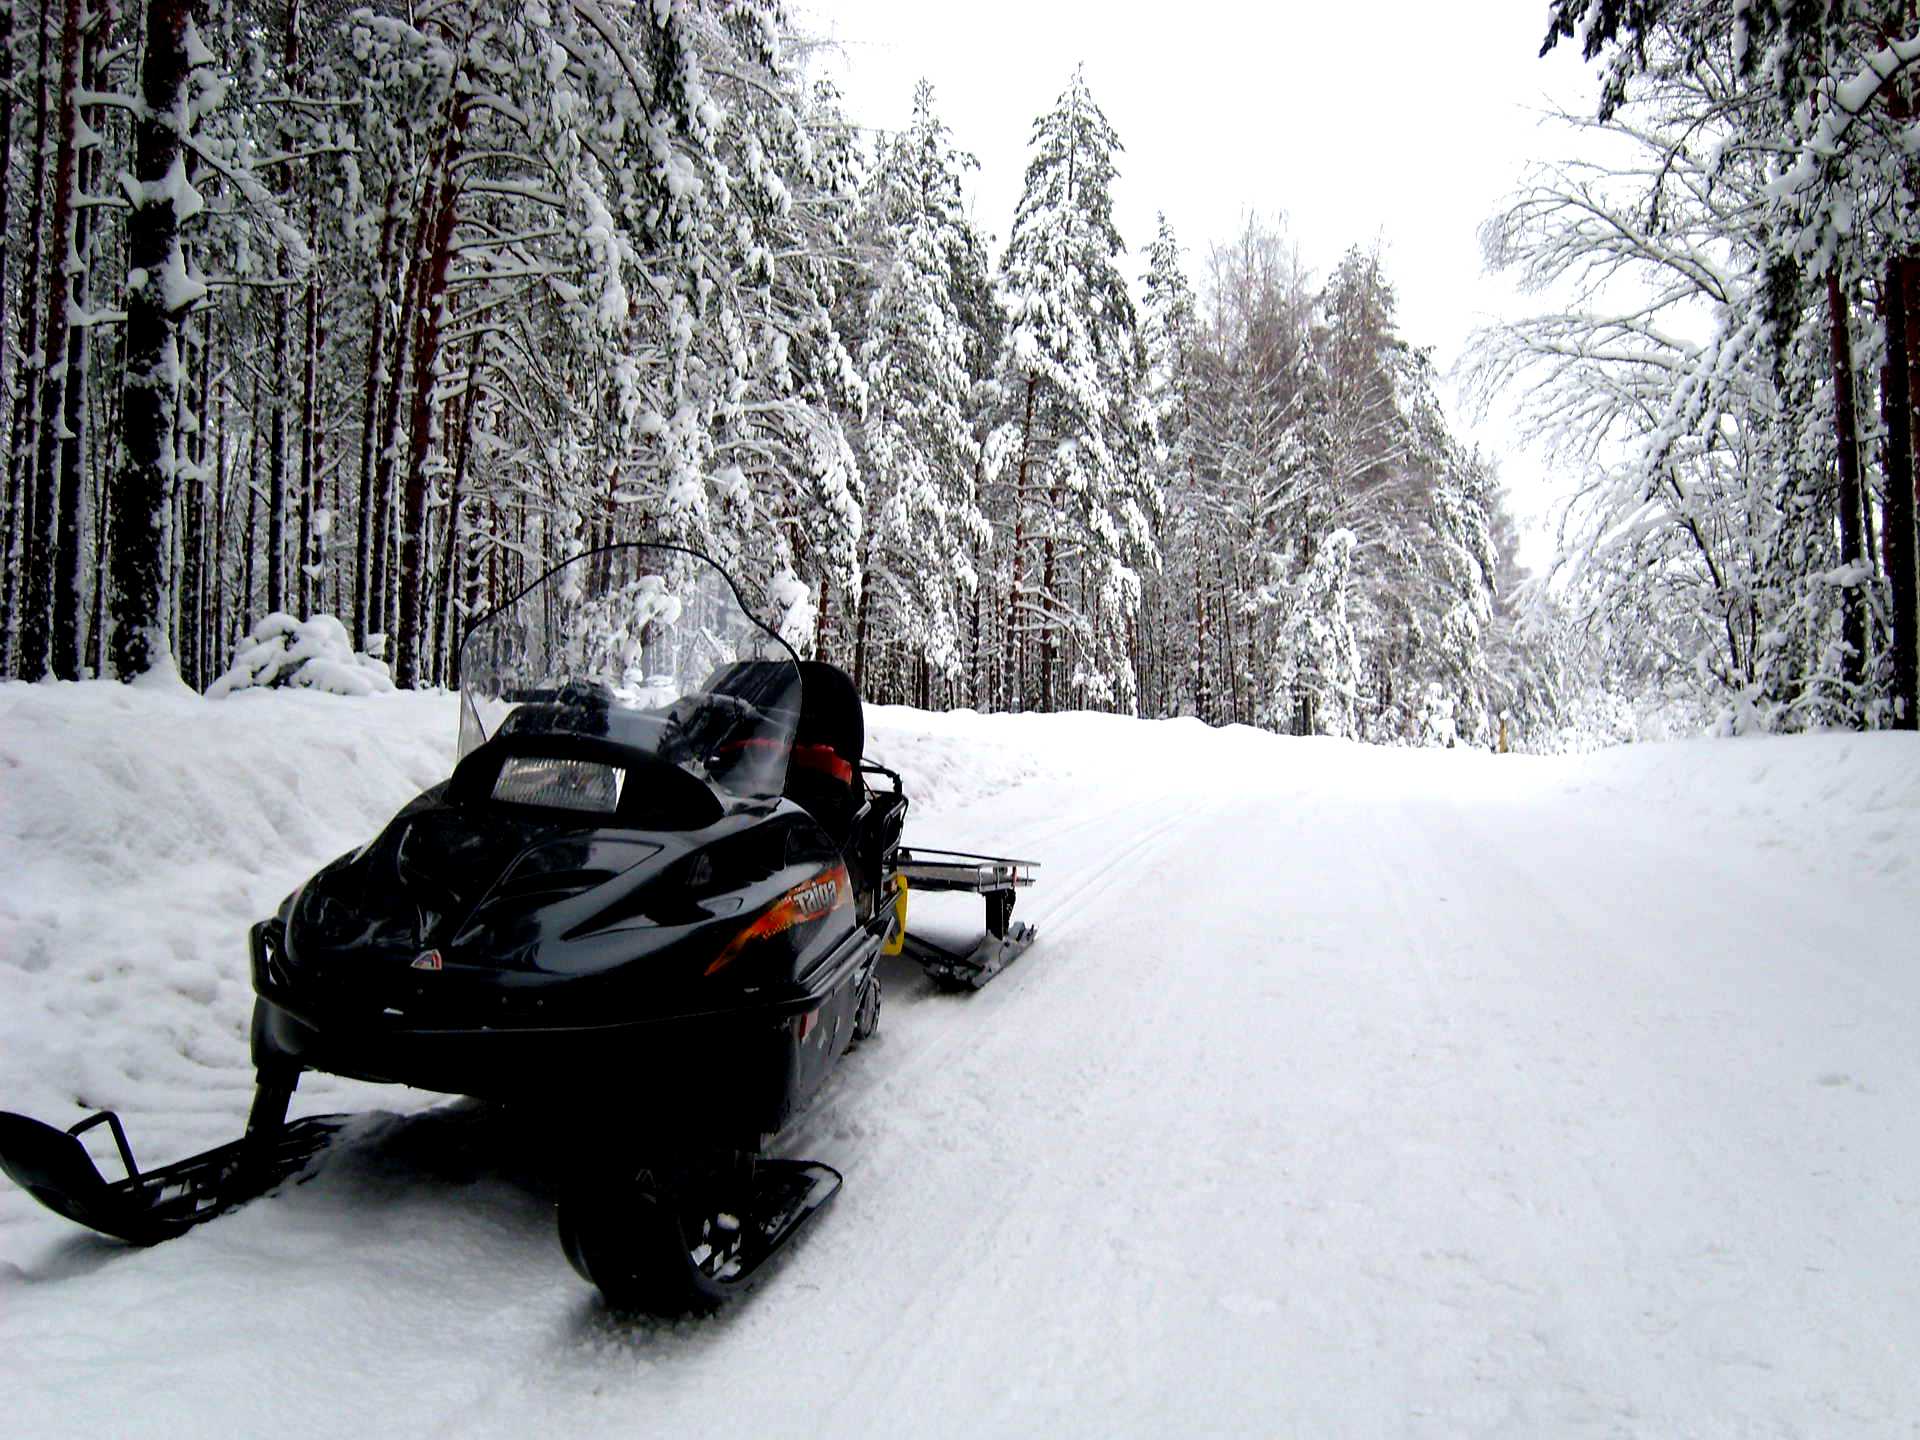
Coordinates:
(651, 898)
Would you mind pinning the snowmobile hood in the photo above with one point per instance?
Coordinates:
(466, 912)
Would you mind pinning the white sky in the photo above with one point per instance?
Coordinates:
(1405, 120)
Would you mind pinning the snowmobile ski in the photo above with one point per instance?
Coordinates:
(652, 1245)
(150, 1206)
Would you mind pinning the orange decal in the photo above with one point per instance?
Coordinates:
(808, 901)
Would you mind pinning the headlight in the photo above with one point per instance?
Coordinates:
(560, 784)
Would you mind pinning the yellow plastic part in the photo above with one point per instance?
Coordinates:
(897, 941)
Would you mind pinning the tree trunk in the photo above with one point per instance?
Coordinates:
(20, 495)
(1050, 642)
(69, 569)
(860, 622)
(974, 697)
(412, 284)
(194, 547)
(1015, 686)
(246, 616)
(1200, 699)
(820, 624)
(280, 500)
(447, 642)
(277, 497)
(223, 501)
(139, 600)
(311, 544)
(102, 573)
(370, 423)
(1897, 409)
(1853, 614)
(10, 496)
(438, 258)
(493, 551)
(36, 624)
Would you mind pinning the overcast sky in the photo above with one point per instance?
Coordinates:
(1401, 120)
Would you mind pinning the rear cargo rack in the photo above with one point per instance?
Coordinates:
(958, 870)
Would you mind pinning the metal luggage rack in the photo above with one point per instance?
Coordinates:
(926, 869)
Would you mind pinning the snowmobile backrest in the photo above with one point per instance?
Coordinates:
(829, 734)
(830, 713)
(823, 777)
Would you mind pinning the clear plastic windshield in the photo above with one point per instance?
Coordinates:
(646, 646)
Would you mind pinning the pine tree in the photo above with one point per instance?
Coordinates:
(1169, 333)
(1073, 439)
(921, 456)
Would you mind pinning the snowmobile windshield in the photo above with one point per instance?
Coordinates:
(647, 646)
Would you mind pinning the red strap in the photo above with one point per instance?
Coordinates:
(823, 758)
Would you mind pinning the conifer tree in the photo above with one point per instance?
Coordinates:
(923, 518)
(1169, 333)
(1072, 441)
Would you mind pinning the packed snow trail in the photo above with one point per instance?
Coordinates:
(1345, 1092)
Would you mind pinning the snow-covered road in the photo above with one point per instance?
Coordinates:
(1346, 1092)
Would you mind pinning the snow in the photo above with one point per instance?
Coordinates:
(315, 655)
(1346, 1092)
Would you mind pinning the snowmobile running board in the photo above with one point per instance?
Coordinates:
(997, 879)
(150, 1206)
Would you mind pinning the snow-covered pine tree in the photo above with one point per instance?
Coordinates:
(1260, 494)
(780, 425)
(1071, 443)
(982, 324)
(1462, 498)
(1318, 662)
(923, 522)
(1361, 476)
(1174, 677)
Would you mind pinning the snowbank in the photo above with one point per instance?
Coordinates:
(142, 830)
(949, 761)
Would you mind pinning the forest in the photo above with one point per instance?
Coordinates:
(376, 311)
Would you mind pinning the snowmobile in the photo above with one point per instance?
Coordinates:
(651, 898)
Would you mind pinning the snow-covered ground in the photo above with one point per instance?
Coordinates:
(1346, 1092)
